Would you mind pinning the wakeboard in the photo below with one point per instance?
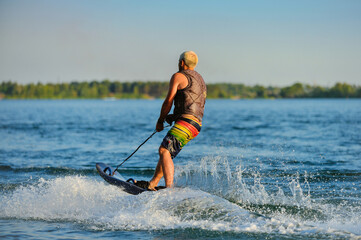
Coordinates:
(106, 172)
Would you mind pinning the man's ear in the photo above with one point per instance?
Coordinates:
(182, 63)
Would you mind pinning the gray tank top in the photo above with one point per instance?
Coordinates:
(191, 99)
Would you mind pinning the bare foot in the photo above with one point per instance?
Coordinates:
(152, 186)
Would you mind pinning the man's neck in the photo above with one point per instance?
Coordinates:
(187, 68)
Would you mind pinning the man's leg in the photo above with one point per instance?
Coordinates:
(158, 174)
(164, 167)
(167, 166)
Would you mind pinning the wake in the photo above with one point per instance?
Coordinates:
(210, 197)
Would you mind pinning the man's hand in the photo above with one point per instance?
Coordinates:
(170, 118)
(159, 127)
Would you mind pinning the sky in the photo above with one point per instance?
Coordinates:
(266, 42)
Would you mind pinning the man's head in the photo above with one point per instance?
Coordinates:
(189, 58)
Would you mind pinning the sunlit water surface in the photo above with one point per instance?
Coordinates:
(281, 169)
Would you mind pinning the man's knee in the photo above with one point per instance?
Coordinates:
(162, 151)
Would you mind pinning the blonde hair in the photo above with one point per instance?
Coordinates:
(190, 58)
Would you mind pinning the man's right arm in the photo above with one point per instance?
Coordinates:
(176, 79)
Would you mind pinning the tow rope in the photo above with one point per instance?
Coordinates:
(155, 131)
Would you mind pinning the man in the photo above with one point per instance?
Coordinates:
(188, 92)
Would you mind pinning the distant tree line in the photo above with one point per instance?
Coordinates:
(149, 90)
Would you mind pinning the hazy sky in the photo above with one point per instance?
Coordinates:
(270, 42)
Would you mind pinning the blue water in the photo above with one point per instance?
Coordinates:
(275, 169)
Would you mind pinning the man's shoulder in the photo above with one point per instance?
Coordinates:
(179, 76)
(191, 73)
(180, 80)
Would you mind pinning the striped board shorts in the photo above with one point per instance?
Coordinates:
(184, 130)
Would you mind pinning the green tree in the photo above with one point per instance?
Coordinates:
(261, 91)
(342, 90)
(294, 91)
(95, 89)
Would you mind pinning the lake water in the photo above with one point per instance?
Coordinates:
(275, 169)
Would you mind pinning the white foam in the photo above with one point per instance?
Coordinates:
(212, 174)
(100, 206)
